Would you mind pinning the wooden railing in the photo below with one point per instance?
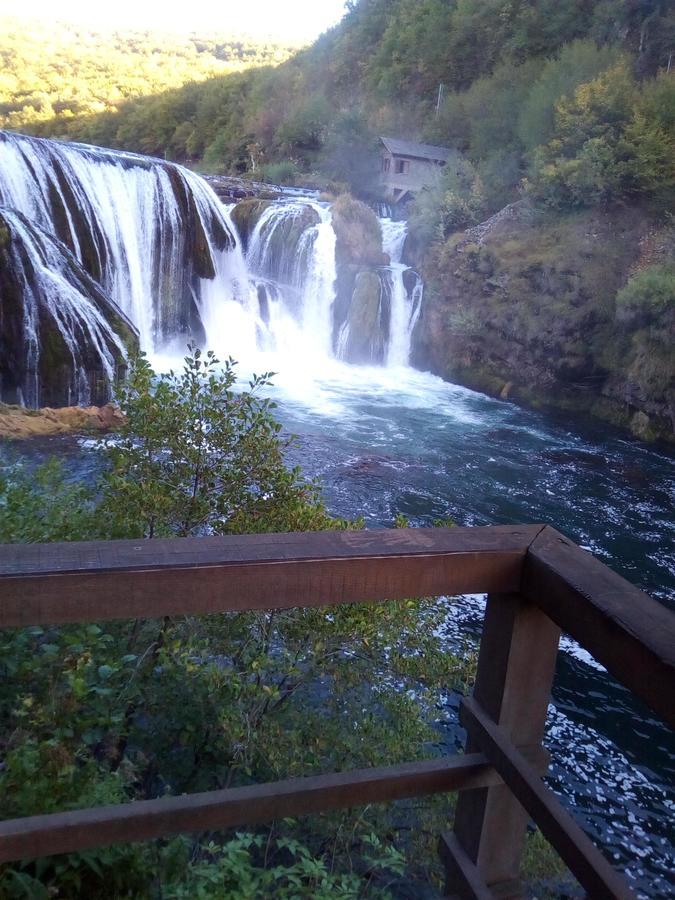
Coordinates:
(538, 582)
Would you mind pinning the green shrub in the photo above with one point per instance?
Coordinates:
(648, 296)
(197, 456)
(284, 172)
(41, 505)
(612, 140)
(455, 203)
(576, 63)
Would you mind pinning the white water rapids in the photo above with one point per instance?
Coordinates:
(405, 308)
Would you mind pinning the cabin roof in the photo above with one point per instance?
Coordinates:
(410, 148)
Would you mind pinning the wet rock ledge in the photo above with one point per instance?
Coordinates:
(229, 188)
(18, 422)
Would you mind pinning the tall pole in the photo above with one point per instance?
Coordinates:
(440, 99)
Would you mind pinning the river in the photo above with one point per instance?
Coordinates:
(390, 441)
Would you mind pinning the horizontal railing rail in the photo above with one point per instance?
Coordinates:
(538, 582)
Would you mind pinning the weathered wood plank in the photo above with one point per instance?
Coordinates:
(83, 829)
(56, 583)
(576, 849)
(630, 633)
(43, 559)
(516, 662)
(463, 879)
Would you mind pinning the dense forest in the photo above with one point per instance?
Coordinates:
(52, 73)
(573, 96)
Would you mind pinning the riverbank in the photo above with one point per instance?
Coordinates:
(17, 422)
(568, 312)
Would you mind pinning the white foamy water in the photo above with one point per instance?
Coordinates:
(165, 251)
(51, 291)
(130, 222)
(405, 306)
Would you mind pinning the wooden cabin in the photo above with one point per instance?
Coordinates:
(406, 167)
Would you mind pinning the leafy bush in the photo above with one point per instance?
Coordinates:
(243, 868)
(196, 456)
(103, 713)
(42, 505)
(578, 62)
(648, 297)
(284, 172)
(455, 203)
(611, 141)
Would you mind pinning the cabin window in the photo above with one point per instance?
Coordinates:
(386, 163)
(401, 166)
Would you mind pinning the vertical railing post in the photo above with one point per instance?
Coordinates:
(516, 664)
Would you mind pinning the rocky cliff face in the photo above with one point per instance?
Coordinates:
(524, 307)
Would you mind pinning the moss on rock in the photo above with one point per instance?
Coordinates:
(358, 233)
(529, 300)
(245, 216)
(58, 371)
(366, 340)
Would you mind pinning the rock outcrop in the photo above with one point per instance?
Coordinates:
(524, 307)
(358, 236)
(19, 422)
(359, 299)
(365, 329)
(230, 188)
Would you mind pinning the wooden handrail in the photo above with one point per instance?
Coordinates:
(586, 862)
(144, 819)
(537, 581)
(627, 631)
(83, 582)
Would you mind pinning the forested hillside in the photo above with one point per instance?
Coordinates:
(52, 73)
(504, 67)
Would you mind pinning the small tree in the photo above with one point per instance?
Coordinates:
(197, 456)
(456, 202)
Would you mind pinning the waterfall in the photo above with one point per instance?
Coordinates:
(114, 240)
(318, 283)
(61, 337)
(291, 257)
(278, 247)
(405, 304)
(152, 234)
(292, 249)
